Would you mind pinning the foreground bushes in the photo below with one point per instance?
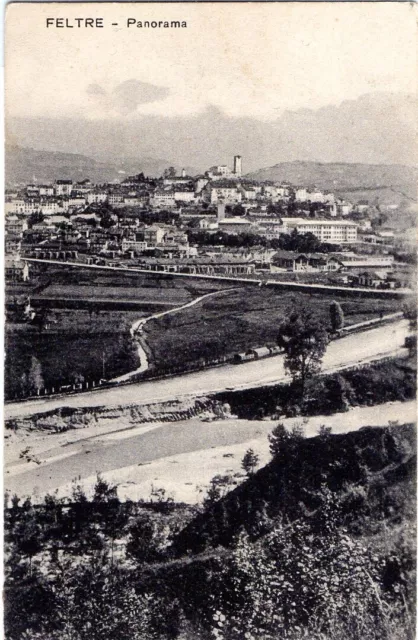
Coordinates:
(317, 545)
(303, 578)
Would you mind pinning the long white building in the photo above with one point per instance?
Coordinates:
(333, 231)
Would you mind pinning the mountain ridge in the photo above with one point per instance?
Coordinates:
(27, 164)
(389, 183)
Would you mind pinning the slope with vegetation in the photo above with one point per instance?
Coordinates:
(393, 182)
(318, 544)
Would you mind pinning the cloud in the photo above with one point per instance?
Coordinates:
(126, 96)
(95, 90)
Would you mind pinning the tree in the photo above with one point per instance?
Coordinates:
(169, 173)
(35, 379)
(106, 221)
(146, 539)
(303, 579)
(336, 315)
(278, 439)
(35, 218)
(250, 461)
(304, 341)
(238, 210)
(218, 487)
(324, 431)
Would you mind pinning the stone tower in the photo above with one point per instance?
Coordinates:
(237, 166)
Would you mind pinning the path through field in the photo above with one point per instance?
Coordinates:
(138, 327)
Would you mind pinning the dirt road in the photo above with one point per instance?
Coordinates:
(358, 348)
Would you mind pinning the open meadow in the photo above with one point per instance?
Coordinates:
(242, 319)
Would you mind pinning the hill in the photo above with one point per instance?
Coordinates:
(390, 183)
(371, 470)
(25, 165)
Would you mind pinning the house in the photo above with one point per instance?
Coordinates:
(293, 261)
(222, 191)
(261, 352)
(371, 279)
(16, 270)
(77, 201)
(301, 194)
(154, 235)
(344, 208)
(177, 181)
(49, 206)
(63, 187)
(236, 225)
(163, 198)
(184, 195)
(316, 196)
(289, 260)
(12, 244)
(176, 238)
(131, 201)
(22, 205)
(32, 190)
(248, 193)
(46, 190)
(209, 222)
(217, 172)
(115, 198)
(135, 243)
(96, 197)
(15, 225)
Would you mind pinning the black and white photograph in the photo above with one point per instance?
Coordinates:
(210, 321)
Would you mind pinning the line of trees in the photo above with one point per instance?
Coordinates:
(299, 242)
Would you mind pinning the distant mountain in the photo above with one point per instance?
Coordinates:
(33, 165)
(388, 183)
(375, 128)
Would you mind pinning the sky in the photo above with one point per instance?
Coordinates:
(252, 60)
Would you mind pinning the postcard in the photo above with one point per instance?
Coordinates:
(210, 339)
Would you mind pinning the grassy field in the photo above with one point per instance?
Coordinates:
(171, 297)
(75, 341)
(240, 320)
(73, 348)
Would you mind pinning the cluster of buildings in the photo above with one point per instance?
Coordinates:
(219, 184)
(121, 224)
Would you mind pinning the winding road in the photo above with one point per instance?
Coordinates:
(351, 350)
(138, 326)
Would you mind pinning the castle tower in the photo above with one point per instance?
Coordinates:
(237, 166)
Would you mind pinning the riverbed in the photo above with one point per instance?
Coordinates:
(180, 457)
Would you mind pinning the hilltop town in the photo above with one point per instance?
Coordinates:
(216, 223)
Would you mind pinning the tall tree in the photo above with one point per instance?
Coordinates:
(250, 461)
(336, 315)
(35, 378)
(304, 341)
